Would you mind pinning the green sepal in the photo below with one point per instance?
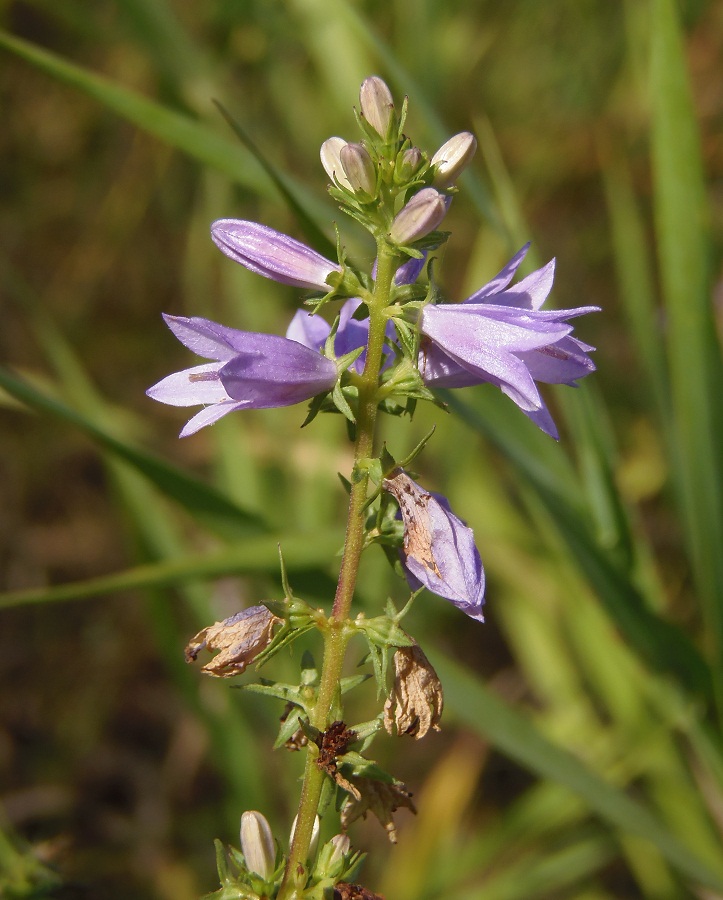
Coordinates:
(352, 681)
(361, 767)
(416, 451)
(339, 400)
(289, 693)
(384, 632)
(369, 467)
(289, 727)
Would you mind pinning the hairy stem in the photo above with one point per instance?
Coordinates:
(336, 637)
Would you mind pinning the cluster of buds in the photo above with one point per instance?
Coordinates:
(255, 871)
(386, 183)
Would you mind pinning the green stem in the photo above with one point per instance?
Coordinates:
(337, 634)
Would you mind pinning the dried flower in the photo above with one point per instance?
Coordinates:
(416, 701)
(380, 798)
(272, 254)
(240, 638)
(439, 550)
(257, 844)
(421, 215)
(500, 335)
(377, 104)
(452, 159)
(252, 371)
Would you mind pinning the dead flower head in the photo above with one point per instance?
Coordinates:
(380, 798)
(416, 701)
(240, 639)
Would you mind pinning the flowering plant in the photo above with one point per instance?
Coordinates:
(389, 344)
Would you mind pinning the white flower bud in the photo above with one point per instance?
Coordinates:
(408, 163)
(342, 846)
(257, 844)
(377, 104)
(452, 158)
(421, 215)
(331, 161)
(359, 168)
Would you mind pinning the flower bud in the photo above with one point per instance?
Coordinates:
(257, 844)
(421, 215)
(452, 158)
(416, 701)
(331, 161)
(341, 847)
(316, 828)
(359, 168)
(407, 164)
(377, 104)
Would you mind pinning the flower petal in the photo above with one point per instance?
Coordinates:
(210, 414)
(206, 338)
(311, 331)
(190, 387)
(277, 372)
(501, 279)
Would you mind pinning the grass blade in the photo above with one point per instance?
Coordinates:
(696, 371)
(199, 499)
(488, 715)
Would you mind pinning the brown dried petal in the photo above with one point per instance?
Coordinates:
(416, 701)
(413, 503)
(240, 639)
(381, 799)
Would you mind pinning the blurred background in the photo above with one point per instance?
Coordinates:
(581, 754)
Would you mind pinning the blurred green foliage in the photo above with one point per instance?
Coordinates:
(582, 754)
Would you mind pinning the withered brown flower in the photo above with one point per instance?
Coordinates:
(240, 638)
(416, 701)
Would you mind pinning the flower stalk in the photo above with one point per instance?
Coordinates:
(337, 636)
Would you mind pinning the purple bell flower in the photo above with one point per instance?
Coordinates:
(272, 254)
(500, 335)
(250, 371)
(439, 551)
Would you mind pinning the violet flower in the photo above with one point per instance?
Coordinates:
(439, 551)
(500, 335)
(250, 371)
(272, 254)
(312, 331)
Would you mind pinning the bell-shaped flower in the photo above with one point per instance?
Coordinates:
(502, 336)
(439, 551)
(250, 371)
(272, 254)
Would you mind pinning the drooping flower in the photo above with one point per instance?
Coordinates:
(250, 371)
(416, 701)
(439, 552)
(272, 254)
(312, 331)
(500, 335)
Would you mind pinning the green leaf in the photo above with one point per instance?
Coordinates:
(489, 716)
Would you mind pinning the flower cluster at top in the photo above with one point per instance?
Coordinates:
(499, 335)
